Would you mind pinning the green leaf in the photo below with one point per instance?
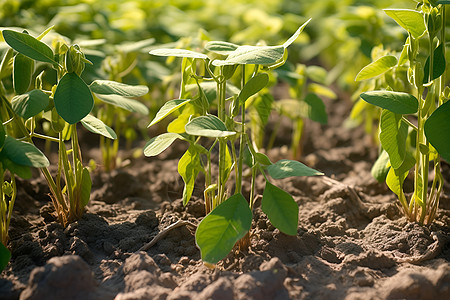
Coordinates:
(160, 143)
(437, 130)
(23, 172)
(125, 103)
(253, 86)
(168, 108)
(280, 208)
(86, 185)
(296, 34)
(219, 231)
(30, 104)
(23, 68)
(263, 107)
(287, 168)
(410, 20)
(73, 98)
(396, 102)
(315, 109)
(178, 53)
(208, 126)
(97, 126)
(2, 135)
(396, 177)
(393, 137)
(378, 67)
(443, 2)
(381, 167)
(223, 48)
(106, 87)
(28, 46)
(189, 166)
(5, 256)
(262, 159)
(24, 154)
(253, 55)
(439, 65)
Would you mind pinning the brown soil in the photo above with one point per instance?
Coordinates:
(352, 241)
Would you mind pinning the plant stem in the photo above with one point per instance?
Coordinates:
(221, 87)
(242, 139)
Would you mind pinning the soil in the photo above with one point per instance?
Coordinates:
(352, 240)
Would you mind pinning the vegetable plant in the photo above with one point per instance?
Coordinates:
(229, 214)
(68, 103)
(415, 127)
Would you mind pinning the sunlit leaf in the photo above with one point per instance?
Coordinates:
(287, 168)
(160, 143)
(86, 185)
(223, 48)
(296, 34)
(410, 20)
(253, 86)
(396, 102)
(28, 46)
(280, 208)
(125, 103)
(208, 126)
(393, 136)
(178, 53)
(168, 108)
(378, 67)
(255, 55)
(106, 87)
(189, 166)
(222, 228)
(97, 126)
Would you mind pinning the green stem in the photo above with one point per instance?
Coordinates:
(242, 139)
(221, 86)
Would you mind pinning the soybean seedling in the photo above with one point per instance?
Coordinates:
(430, 131)
(68, 103)
(228, 217)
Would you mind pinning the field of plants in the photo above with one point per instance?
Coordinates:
(193, 149)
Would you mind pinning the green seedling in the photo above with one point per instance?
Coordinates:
(229, 218)
(68, 103)
(16, 158)
(417, 142)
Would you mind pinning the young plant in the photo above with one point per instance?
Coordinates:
(16, 158)
(228, 217)
(430, 133)
(68, 102)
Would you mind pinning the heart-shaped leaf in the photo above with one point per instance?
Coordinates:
(73, 98)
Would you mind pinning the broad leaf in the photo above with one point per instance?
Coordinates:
(393, 136)
(280, 208)
(5, 256)
(125, 103)
(86, 185)
(30, 104)
(439, 65)
(24, 154)
(208, 126)
(178, 53)
(253, 86)
(296, 34)
(219, 231)
(396, 177)
(23, 71)
(410, 20)
(106, 87)
(287, 168)
(168, 108)
(254, 55)
(73, 98)
(437, 130)
(223, 48)
(376, 68)
(396, 102)
(28, 46)
(97, 126)
(189, 166)
(160, 143)
(23, 172)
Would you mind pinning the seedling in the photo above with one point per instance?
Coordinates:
(228, 217)
(430, 134)
(68, 102)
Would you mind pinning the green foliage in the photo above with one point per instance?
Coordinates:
(5, 256)
(30, 104)
(437, 130)
(222, 228)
